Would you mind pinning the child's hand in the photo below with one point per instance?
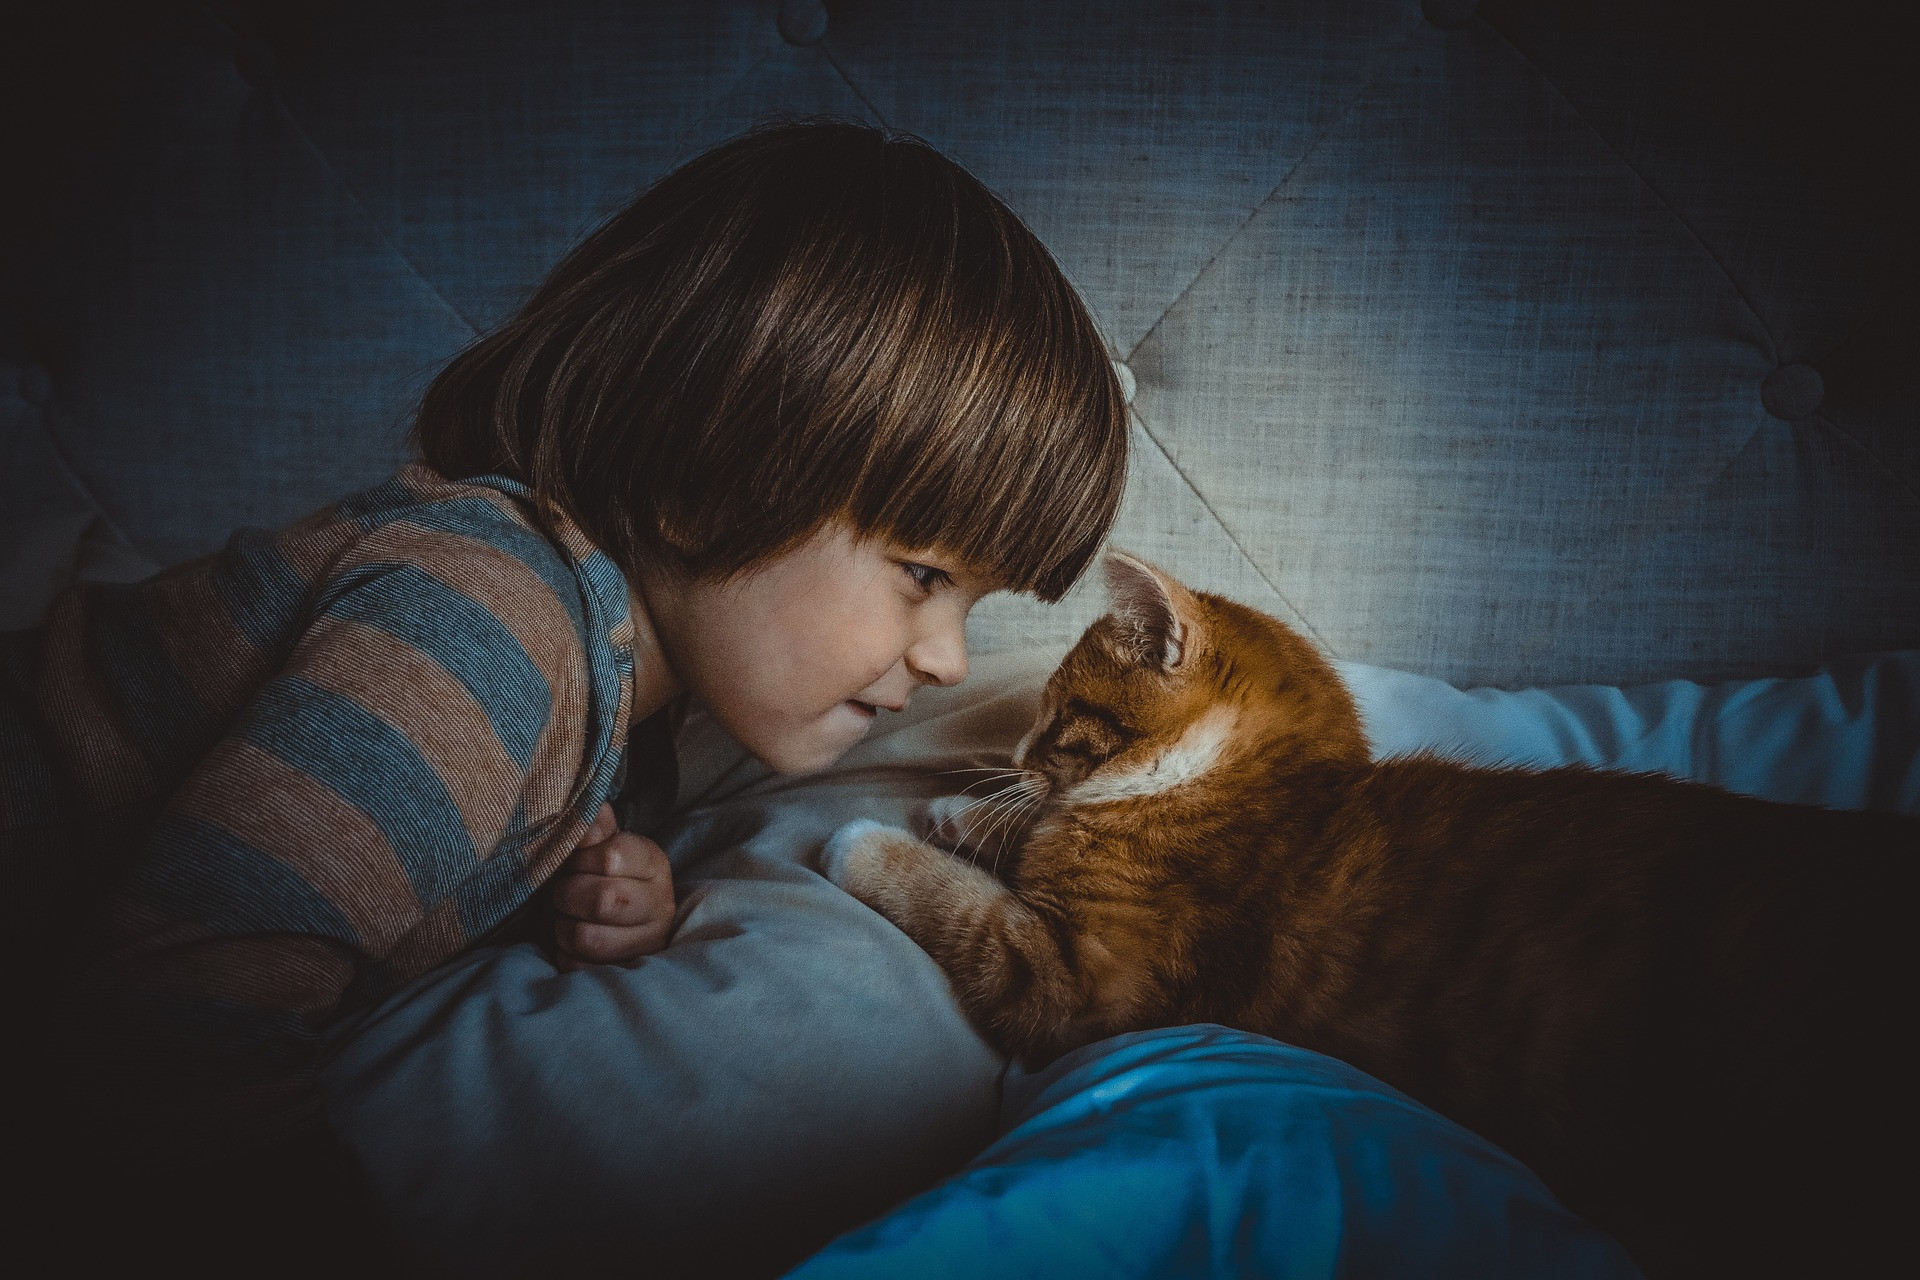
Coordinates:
(612, 899)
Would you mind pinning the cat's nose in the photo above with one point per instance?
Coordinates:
(1025, 746)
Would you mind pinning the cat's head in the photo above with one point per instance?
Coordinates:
(1173, 685)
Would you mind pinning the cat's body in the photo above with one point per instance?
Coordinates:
(1679, 1006)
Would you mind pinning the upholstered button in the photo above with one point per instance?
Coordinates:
(36, 384)
(802, 21)
(1793, 391)
(1127, 384)
(253, 59)
(1448, 13)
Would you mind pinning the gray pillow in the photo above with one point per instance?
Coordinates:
(788, 1067)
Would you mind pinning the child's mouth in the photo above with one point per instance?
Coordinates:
(866, 709)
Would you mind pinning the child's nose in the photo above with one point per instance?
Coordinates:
(940, 657)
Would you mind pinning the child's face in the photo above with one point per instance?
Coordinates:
(785, 657)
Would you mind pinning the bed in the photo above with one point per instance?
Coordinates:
(791, 1066)
(1546, 362)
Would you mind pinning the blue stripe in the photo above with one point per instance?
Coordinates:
(494, 892)
(159, 711)
(608, 583)
(607, 748)
(198, 870)
(259, 590)
(610, 667)
(513, 841)
(479, 519)
(371, 765)
(468, 641)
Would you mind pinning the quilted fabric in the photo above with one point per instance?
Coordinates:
(1509, 351)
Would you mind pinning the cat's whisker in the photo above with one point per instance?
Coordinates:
(974, 802)
(982, 782)
(1001, 801)
(968, 789)
(978, 769)
(1006, 821)
(991, 795)
(1008, 791)
(1014, 824)
(974, 821)
(960, 813)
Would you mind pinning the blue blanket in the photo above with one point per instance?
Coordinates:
(1203, 1151)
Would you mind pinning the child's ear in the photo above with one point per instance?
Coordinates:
(1147, 610)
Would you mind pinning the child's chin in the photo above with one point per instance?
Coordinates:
(831, 737)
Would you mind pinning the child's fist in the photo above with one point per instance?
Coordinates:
(612, 899)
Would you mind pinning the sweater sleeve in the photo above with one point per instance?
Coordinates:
(364, 816)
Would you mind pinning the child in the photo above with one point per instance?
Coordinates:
(765, 437)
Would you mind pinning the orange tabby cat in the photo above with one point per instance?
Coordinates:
(1677, 1005)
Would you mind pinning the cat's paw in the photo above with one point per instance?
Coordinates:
(977, 829)
(856, 849)
(943, 824)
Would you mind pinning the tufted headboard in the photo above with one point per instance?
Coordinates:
(1526, 343)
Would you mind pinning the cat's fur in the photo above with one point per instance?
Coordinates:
(1679, 1006)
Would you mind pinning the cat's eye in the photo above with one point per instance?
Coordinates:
(1098, 724)
(1088, 741)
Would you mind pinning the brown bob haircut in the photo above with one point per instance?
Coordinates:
(815, 319)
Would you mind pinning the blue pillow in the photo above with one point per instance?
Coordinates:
(1203, 1151)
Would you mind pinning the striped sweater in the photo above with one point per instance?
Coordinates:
(254, 793)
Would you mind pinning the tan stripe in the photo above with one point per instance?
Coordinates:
(435, 940)
(410, 691)
(274, 971)
(569, 536)
(572, 537)
(428, 485)
(218, 662)
(556, 784)
(313, 545)
(127, 930)
(543, 857)
(103, 758)
(514, 509)
(553, 777)
(305, 824)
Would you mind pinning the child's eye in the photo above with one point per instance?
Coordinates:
(925, 576)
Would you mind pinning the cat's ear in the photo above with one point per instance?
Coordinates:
(1145, 609)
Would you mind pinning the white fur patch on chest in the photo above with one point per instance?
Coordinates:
(1197, 751)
